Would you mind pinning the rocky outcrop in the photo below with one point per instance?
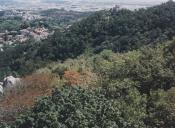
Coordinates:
(10, 81)
(1, 89)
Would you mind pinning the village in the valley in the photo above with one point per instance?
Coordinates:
(11, 37)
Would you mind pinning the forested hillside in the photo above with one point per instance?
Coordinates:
(114, 69)
(126, 90)
(118, 30)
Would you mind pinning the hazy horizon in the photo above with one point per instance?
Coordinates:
(123, 1)
(80, 5)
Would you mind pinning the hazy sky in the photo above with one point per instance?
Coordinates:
(138, 1)
(106, 1)
(100, 4)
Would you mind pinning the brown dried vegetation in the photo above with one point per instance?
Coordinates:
(18, 99)
(72, 77)
(85, 78)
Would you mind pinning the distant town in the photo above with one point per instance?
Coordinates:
(10, 37)
(20, 25)
(31, 11)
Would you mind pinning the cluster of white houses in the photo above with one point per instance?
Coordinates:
(10, 37)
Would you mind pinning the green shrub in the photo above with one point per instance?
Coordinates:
(71, 107)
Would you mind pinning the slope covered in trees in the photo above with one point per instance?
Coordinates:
(126, 90)
(128, 83)
(118, 30)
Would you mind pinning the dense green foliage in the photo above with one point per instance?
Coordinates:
(118, 30)
(79, 108)
(135, 91)
(151, 70)
(136, 74)
(10, 24)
